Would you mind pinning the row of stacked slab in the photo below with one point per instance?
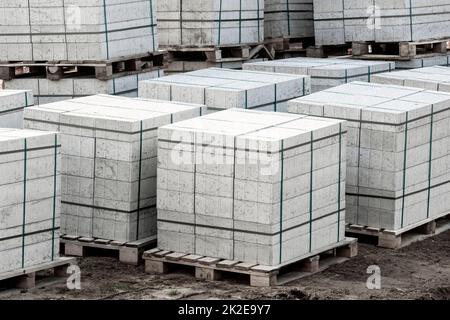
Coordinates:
(63, 49)
(213, 170)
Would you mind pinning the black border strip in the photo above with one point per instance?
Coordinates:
(105, 208)
(30, 234)
(247, 231)
(400, 197)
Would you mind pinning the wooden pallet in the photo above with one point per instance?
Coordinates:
(394, 239)
(128, 252)
(290, 44)
(219, 54)
(209, 268)
(26, 278)
(102, 70)
(399, 50)
(320, 51)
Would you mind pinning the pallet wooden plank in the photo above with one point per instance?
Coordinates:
(141, 242)
(191, 258)
(245, 266)
(117, 243)
(162, 253)
(208, 260)
(227, 263)
(86, 239)
(175, 256)
(264, 269)
(70, 237)
(102, 241)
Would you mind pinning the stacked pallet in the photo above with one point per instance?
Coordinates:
(325, 73)
(29, 197)
(397, 155)
(12, 104)
(288, 19)
(339, 21)
(431, 78)
(108, 162)
(252, 186)
(95, 46)
(48, 91)
(221, 89)
(67, 30)
(210, 22)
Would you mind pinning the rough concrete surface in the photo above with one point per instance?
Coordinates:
(419, 271)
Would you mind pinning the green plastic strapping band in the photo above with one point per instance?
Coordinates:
(114, 86)
(152, 26)
(339, 183)
(181, 22)
(411, 19)
(24, 208)
(246, 99)
(259, 23)
(281, 198)
(404, 167)
(288, 17)
(106, 29)
(311, 192)
(275, 103)
(240, 21)
(431, 159)
(359, 163)
(139, 182)
(422, 63)
(369, 73)
(54, 196)
(220, 23)
(346, 76)
(93, 185)
(234, 182)
(31, 36)
(26, 99)
(303, 87)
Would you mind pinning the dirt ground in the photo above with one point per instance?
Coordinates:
(418, 271)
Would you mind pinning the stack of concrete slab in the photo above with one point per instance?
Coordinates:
(221, 89)
(339, 21)
(252, 186)
(431, 78)
(325, 73)
(436, 60)
(12, 104)
(29, 198)
(288, 19)
(398, 151)
(210, 22)
(48, 91)
(109, 155)
(55, 30)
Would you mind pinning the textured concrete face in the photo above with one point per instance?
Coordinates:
(325, 73)
(76, 30)
(438, 60)
(48, 91)
(431, 78)
(253, 186)
(210, 22)
(292, 18)
(340, 21)
(221, 89)
(398, 150)
(109, 160)
(30, 198)
(12, 103)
